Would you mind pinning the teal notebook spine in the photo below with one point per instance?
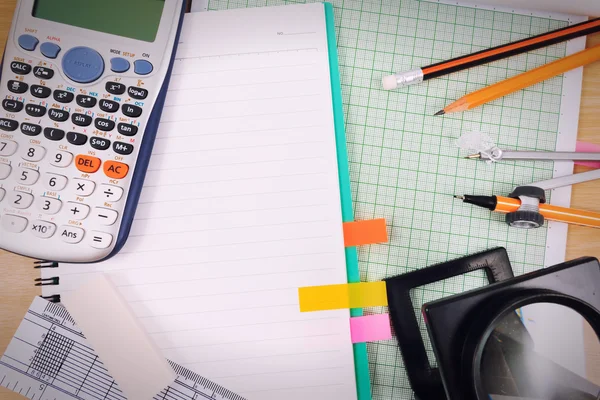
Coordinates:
(361, 363)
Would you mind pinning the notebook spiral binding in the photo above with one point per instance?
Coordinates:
(53, 281)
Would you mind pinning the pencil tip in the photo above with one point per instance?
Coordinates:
(459, 197)
(441, 112)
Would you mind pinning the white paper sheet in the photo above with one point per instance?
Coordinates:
(241, 206)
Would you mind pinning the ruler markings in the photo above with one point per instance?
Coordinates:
(64, 367)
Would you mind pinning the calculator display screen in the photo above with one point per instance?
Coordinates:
(135, 19)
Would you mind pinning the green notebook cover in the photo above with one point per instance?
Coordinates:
(361, 362)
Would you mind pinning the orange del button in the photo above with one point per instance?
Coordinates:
(87, 164)
(115, 170)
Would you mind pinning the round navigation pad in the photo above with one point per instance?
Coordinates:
(82, 64)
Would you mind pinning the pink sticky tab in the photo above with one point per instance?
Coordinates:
(370, 328)
(585, 147)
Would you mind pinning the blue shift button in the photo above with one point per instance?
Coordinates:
(50, 50)
(119, 65)
(82, 64)
(28, 42)
(142, 67)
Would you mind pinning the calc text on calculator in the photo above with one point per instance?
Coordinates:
(82, 87)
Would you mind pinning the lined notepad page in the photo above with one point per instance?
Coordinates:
(240, 207)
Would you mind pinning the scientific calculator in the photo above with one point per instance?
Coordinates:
(82, 87)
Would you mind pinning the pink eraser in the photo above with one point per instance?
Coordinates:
(585, 147)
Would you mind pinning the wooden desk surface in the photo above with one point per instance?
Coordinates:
(17, 273)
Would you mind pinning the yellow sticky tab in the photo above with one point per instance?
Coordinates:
(350, 295)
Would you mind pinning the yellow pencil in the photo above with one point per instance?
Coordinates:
(523, 80)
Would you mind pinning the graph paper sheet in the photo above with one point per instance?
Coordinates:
(404, 163)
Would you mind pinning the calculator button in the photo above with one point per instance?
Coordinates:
(83, 64)
(132, 111)
(31, 129)
(115, 170)
(99, 143)
(137, 93)
(87, 164)
(33, 153)
(7, 147)
(50, 50)
(127, 129)
(14, 223)
(28, 42)
(27, 176)
(20, 200)
(122, 148)
(8, 124)
(100, 240)
(17, 87)
(142, 67)
(111, 193)
(61, 159)
(35, 110)
(119, 65)
(54, 134)
(63, 96)
(42, 229)
(12, 105)
(41, 92)
(49, 205)
(4, 171)
(86, 101)
(70, 234)
(55, 182)
(83, 187)
(77, 211)
(115, 88)
(43, 73)
(104, 124)
(109, 106)
(20, 68)
(78, 139)
(105, 216)
(81, 119)
(58, 115)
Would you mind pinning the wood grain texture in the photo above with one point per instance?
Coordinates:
(17, 273)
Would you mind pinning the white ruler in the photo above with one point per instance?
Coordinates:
(49, 359)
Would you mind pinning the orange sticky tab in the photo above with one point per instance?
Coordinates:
(115, 170)
(359, 233)
(87, 164)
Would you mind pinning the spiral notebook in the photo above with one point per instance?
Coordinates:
(243, 203)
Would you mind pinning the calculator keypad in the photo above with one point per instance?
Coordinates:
(27, 176)
(12, 105)
(41, 92)
(78, 211)
(66, 151)
(8, 125)
(7, 147)
(34, 110)
(49, 205)
(17, 87)
(14, 223)
(33, 153)
(20, 200)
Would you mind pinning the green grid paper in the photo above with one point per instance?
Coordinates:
(404, 164)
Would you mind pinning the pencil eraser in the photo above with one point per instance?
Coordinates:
(390, 82)
(119, 340)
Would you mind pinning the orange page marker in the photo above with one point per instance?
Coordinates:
(359, 233)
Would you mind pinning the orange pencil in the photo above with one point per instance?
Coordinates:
(507, 205)
(523, 80)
